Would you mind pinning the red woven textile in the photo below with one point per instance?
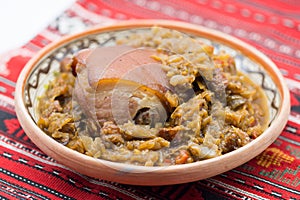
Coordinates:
(273, 27)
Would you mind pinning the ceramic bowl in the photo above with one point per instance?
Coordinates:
(259, 68)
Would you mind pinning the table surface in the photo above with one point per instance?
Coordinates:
(271, 26)
(21, 20)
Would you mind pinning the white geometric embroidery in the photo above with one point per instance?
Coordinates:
(3, 69)
(4, 58)
(297, 53)
(154, 5)
(254, 36)
(196, 19)
(270, 43)
(285, 49)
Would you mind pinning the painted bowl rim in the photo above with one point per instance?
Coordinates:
(130, 174)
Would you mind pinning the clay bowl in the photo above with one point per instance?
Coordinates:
(40, 69)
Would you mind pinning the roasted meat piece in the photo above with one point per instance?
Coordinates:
(121, 84)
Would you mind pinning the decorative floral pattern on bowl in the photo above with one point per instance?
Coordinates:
(48, 65)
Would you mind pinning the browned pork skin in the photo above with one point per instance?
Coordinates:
(120, 83)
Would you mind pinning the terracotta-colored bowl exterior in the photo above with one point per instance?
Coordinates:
(140, 175)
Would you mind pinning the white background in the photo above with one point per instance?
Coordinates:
(21, 20)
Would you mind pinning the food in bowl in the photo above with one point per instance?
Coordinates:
(156, 99)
